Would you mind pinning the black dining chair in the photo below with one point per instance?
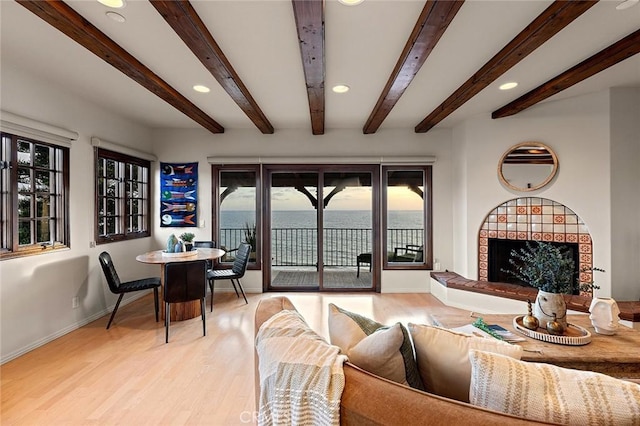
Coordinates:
(184, 282)
(236, 272)
(121, 288)
(205, 244)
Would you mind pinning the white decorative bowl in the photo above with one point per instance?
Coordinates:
(193, 252)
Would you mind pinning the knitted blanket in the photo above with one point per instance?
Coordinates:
(301, 375)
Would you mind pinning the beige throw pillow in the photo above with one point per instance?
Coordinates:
(383, 351)
(549, 393)
(443, 358)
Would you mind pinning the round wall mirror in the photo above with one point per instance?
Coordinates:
(527, 166)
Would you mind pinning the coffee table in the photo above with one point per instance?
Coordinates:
(617, 355)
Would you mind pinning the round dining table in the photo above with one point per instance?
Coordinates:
(187, 310)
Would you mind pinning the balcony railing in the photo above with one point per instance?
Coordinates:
(298, 246)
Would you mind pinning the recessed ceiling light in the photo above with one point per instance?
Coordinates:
(508, 86)
(116, 4)
(200, 88)
(116, 16)
(626, 4)
(340, 88)
(350, 2)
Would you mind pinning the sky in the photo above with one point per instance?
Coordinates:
(352, 198)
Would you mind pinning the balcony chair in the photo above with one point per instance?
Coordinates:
(408, 253)
(121, 288)
(235, 273)
(363, 258)
(184, 282)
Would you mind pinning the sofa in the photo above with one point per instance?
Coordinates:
(368, 399)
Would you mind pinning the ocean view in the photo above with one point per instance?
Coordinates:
(347, 233)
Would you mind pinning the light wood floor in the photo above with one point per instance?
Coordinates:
(127, 375)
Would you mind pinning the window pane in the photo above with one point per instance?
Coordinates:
(237, 210)
(43, 206)
(42, 181)
(24, 231)
(42, 156)
(111, 225)
(24, 206)
(24, 153)
(111, 169)
(405, 216)
(112, 187)
(43, 231)
(24, 179)
(111, 206)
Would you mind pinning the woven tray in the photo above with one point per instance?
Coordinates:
(574, 335)
(193, 252)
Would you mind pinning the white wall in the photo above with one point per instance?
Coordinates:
(36, 291)
(196, 145)
(577, 129)
(625, 193)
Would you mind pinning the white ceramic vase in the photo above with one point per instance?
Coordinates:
(547, 304)
(604, 315)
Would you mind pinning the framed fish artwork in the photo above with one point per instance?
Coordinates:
(178, 195)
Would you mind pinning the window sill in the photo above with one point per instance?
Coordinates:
(32, 251)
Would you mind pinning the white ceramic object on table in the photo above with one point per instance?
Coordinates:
(604, 315)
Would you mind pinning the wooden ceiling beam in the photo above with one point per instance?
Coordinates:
(553, 19)
(434, 19)
(68, 21)
(309, 15)
(617, 52)
(184, 20)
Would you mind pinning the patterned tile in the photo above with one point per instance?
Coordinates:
(538, 219)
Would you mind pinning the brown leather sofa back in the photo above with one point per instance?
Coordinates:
(371, 400)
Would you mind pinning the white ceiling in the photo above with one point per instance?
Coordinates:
(362, 45)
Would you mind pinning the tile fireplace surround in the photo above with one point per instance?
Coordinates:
(535, 219)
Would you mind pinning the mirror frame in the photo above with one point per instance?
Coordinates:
(552, 174)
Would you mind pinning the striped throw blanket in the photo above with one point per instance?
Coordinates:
(301, 375)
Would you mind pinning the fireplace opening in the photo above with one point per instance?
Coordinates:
(500, 253)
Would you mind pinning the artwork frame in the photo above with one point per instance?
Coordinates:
(178, 195)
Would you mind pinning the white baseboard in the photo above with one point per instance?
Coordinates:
(43, 341)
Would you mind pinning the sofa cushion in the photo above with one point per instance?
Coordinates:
(384, 351)
(549, 393)
(443, 358)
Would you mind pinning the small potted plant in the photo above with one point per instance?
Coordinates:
(187, 239)
(551, 270)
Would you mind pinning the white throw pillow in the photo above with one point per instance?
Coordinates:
(443, 358)
(548, 393)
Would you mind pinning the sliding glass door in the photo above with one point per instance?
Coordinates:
(320, 224)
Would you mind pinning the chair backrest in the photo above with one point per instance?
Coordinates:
(420, 254)
(242, 259)
(109, 271)
(185, 281)
(205, 244)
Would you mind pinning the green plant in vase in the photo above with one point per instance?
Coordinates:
(250, 238)
(551, 270)
(187, 239)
